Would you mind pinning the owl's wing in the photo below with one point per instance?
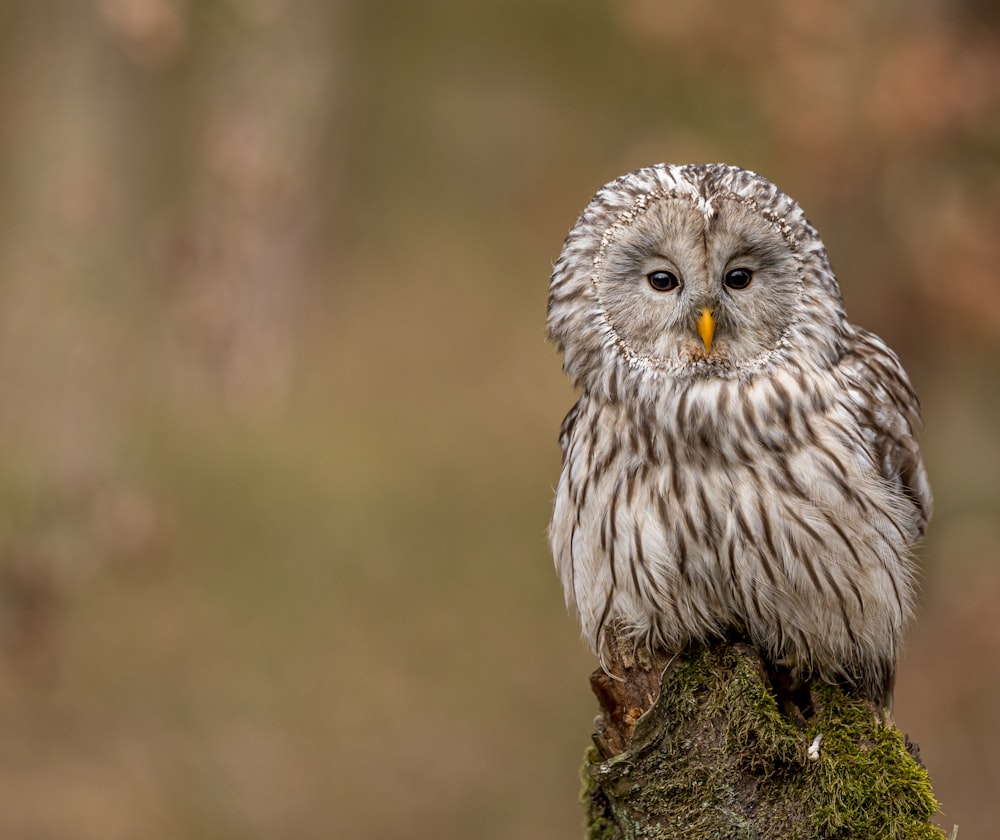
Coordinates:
(566, 430)
(891, 411)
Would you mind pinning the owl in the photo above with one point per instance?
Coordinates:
(742, 460)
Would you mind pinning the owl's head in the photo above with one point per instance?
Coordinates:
(691, 271)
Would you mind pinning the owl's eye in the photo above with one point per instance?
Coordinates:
(663, 281)
(738, 278)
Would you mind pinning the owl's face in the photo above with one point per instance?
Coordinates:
(691, 271)
(706, 292)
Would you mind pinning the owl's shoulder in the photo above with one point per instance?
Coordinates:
(870, 368)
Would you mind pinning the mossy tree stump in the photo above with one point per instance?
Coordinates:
(706, 752)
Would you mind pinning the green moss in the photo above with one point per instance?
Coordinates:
(715, 758)
(868, 784)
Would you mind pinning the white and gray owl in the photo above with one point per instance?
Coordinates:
(742, 459)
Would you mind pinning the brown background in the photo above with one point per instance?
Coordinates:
(278, 422)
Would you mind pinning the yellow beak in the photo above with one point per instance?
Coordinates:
(706, 327)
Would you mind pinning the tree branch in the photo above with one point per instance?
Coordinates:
(723, 748)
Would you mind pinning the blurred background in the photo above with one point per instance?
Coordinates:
(277, 416)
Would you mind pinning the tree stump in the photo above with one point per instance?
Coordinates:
(710, 744)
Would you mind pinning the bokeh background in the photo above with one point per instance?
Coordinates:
(278, 420)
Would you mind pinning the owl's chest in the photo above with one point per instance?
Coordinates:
(721, 443)
(717, 423)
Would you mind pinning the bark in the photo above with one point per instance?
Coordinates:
(722, 747)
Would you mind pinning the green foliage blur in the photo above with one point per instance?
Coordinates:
(278, 420)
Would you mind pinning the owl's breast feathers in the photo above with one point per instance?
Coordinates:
(784, 506)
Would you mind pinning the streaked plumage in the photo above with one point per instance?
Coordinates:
(751, 470)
